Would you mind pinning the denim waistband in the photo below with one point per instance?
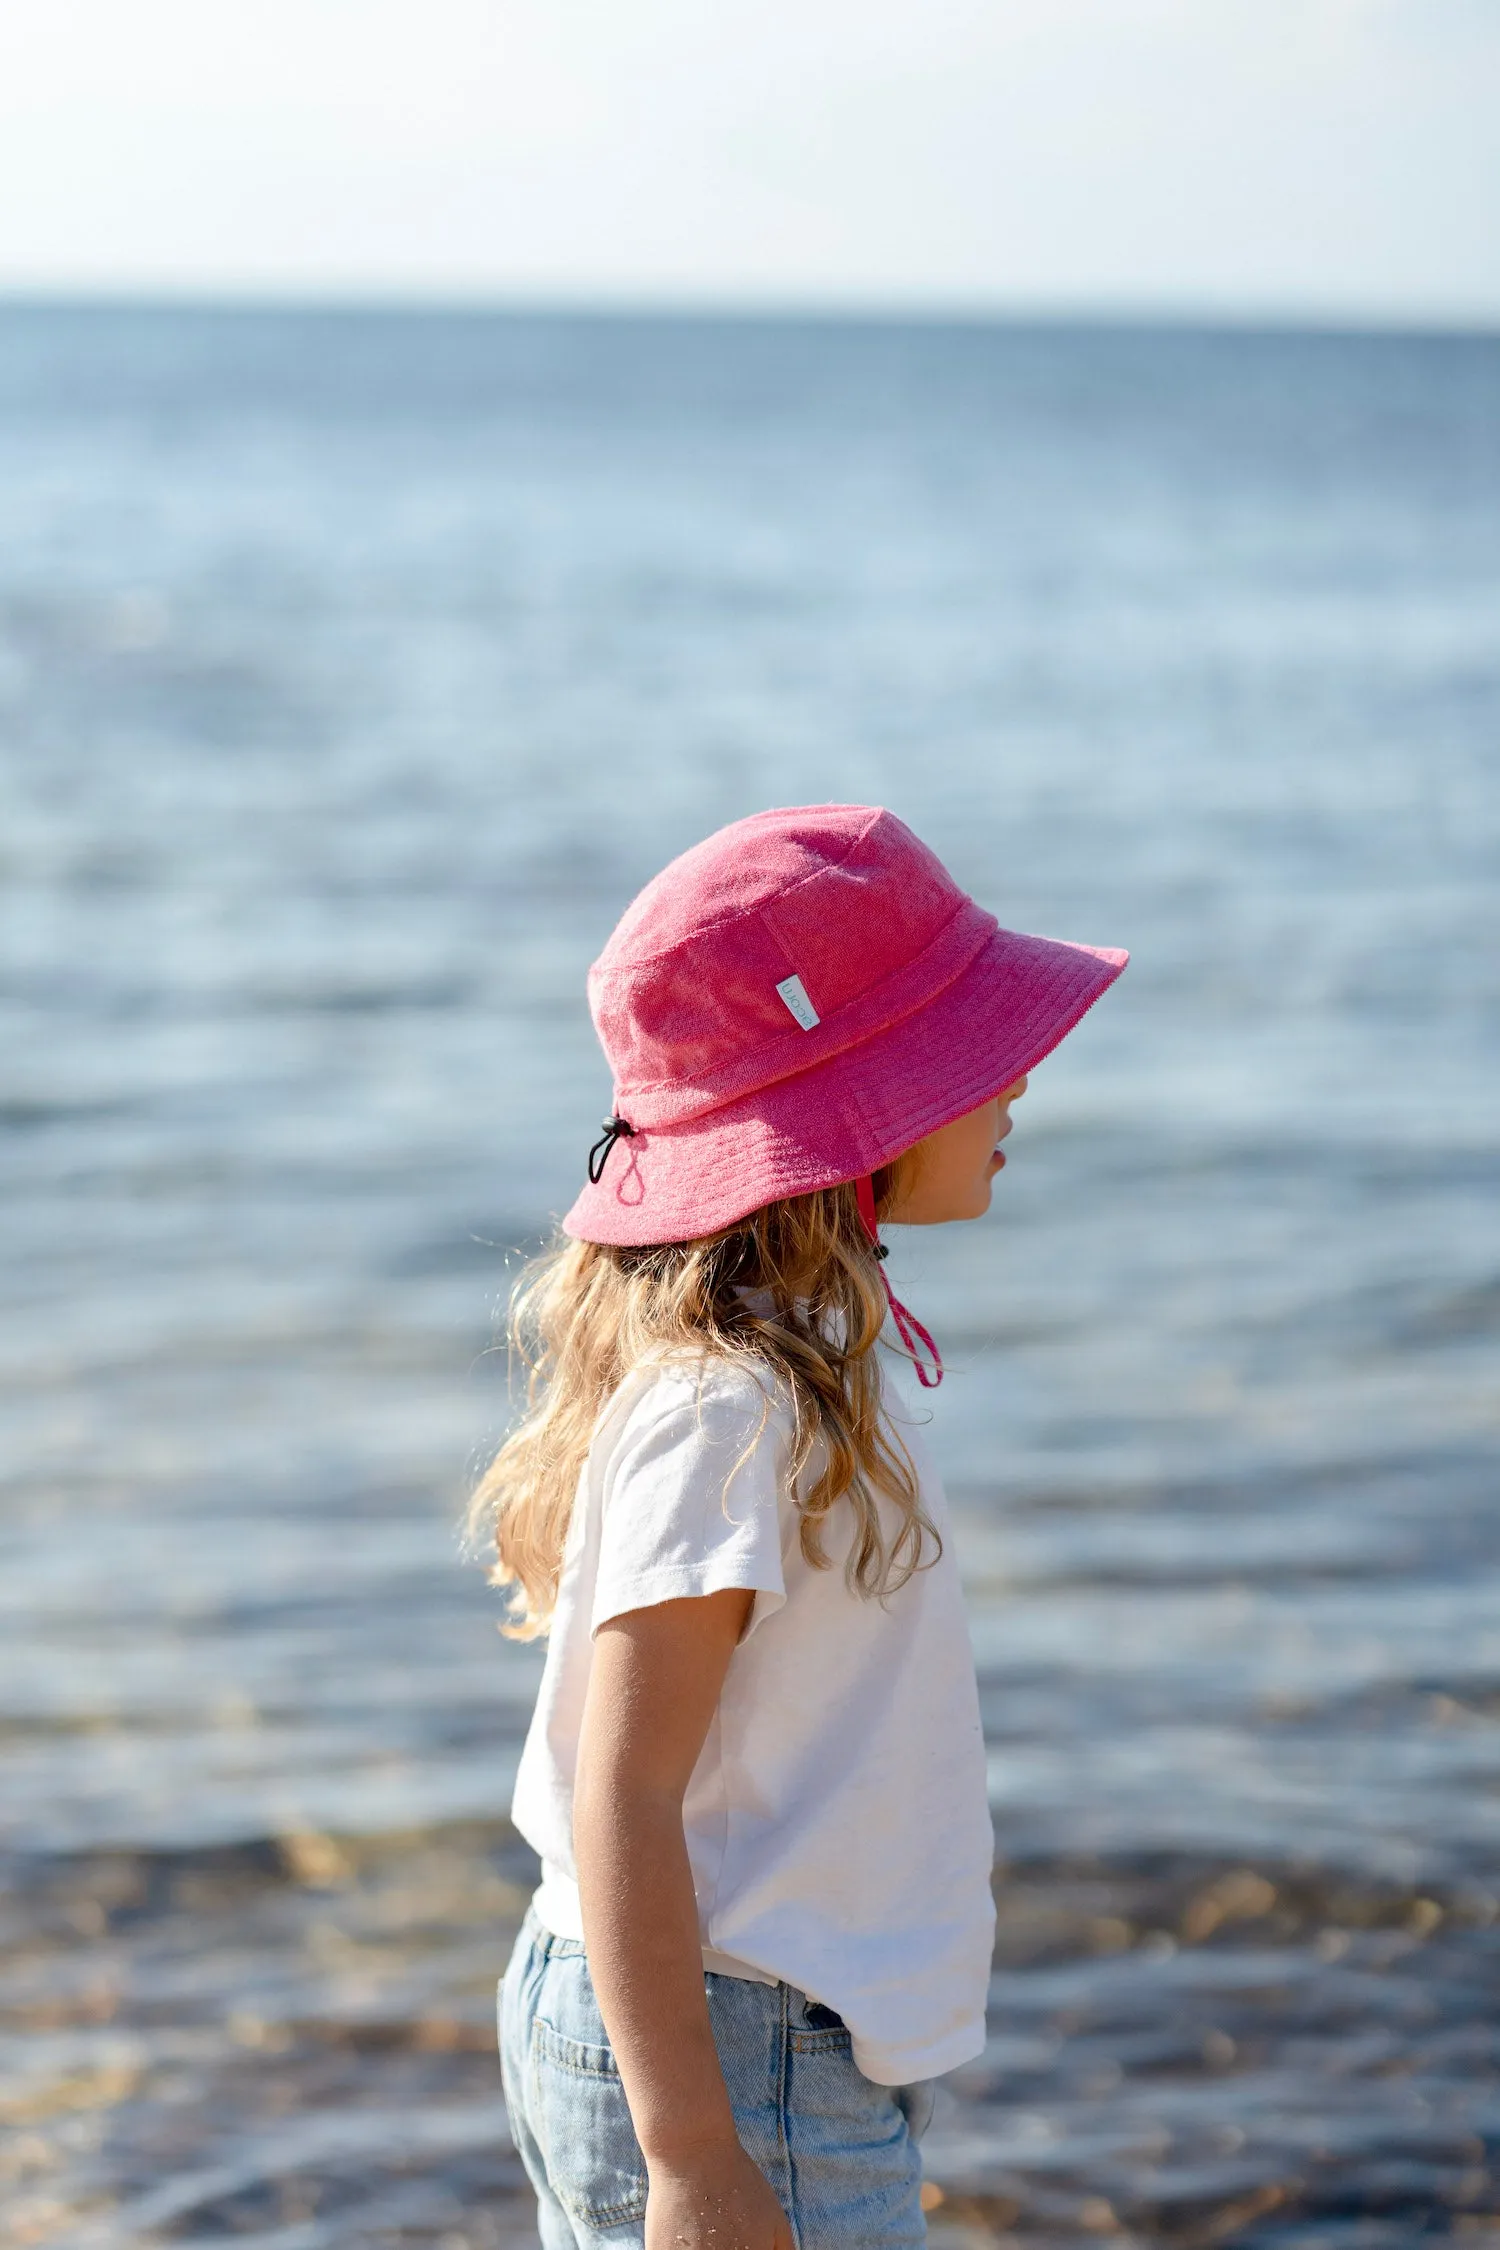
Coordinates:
(547, 1943)
(550, 1947)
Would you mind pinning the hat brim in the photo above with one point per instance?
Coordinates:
(1018, 999)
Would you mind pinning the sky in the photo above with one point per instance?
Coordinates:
(1327, 159)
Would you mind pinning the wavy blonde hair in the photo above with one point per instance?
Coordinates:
(795, 1290)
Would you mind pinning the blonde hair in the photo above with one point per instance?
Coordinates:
(793, 1290)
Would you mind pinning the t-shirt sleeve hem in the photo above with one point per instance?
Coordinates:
(686, 1582)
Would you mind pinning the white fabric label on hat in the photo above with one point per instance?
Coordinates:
(794, 993)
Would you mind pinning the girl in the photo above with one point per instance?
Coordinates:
(755, 1777)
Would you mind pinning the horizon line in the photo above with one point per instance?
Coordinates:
(784, 310)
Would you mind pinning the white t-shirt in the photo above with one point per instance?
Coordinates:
(837, 1821)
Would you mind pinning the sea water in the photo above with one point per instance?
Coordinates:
(355, 670)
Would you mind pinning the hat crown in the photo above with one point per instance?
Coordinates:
(773, 944)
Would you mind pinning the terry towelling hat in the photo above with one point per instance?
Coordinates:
(795, 1002)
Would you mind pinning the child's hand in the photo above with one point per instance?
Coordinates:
(714, 2200)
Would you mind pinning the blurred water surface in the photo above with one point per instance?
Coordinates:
(354, 671)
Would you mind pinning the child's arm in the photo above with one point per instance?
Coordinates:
(653, 1688)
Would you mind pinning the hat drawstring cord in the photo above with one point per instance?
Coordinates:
(615, 1128)
(913, 1335)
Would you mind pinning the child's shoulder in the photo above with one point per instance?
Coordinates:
(695, 1397)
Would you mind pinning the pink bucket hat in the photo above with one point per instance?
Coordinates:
(795, 1002)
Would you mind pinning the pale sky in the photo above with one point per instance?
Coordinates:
(1332, 158)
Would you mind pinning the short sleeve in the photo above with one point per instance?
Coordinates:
(692, 1494)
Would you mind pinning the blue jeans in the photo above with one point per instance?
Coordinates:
(840, 2151)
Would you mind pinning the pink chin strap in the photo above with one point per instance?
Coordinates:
(913, 1335)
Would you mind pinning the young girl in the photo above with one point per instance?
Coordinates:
(755, 1776)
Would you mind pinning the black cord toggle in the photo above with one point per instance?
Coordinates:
(615, 1128)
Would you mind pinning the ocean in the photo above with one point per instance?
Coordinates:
(355, 670)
